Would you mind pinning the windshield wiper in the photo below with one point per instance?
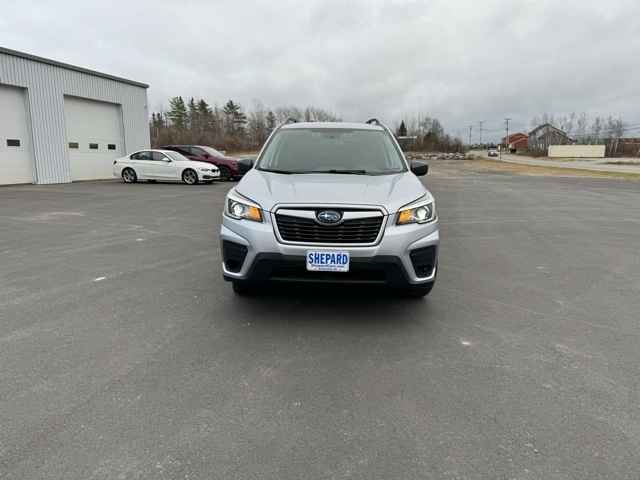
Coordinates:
(307, 172)
(345, 172)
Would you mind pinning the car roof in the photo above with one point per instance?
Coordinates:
(154, 150)
(332, 125)
(185, 145)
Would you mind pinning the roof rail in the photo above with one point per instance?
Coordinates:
(373, 121)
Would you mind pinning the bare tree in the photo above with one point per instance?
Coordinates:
(430, 134)
(581, 127)
(257, 125)
(566, 123)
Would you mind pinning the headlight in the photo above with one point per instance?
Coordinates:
(241, 210)
(423, 213)
(204, 170)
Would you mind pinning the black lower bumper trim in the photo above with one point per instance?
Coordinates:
(380, 270)
(423, 260)
(233, 255)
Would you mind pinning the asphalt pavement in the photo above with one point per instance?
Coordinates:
(124, 355)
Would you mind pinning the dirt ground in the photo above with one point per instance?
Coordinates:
(493, 166)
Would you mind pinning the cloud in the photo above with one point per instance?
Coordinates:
(461, 61)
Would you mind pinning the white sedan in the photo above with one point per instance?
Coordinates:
(163, 165)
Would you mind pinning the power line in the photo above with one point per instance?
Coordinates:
(606, 130)
(603, 130)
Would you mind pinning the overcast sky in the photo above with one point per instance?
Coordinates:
(458, 60)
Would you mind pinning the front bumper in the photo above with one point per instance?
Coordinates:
(265, 256)
(209, 175)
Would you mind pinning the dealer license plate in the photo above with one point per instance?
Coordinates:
(327, 261)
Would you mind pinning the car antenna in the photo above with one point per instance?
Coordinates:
(373, 121)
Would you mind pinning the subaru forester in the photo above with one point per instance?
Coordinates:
(331, 203)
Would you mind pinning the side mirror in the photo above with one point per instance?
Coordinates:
(207, 156)
(419, 168)
(245, 164)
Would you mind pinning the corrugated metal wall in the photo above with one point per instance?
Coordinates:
(46, 87)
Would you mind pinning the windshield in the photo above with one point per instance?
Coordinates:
(213, 152)
(322, 150)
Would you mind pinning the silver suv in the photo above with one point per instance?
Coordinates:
(331, 202)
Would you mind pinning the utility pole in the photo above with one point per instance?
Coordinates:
(470, 130)
(506, 139)
(481, 122)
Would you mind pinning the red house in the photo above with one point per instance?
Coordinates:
(516, 142)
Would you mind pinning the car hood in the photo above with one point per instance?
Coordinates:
(388, 191)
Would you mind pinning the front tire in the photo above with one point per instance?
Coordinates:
(225, 174)
(129, 175)
(243, 288)
(190, 177)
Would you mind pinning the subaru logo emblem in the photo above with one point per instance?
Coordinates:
(329, 217)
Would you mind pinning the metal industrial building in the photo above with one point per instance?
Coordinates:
(60, 123)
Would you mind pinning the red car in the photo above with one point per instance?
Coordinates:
(228, 165)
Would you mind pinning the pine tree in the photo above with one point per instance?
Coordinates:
(193, 116)
(206, 123)
(177, 113)
(402, 130)
(235, 119)
(204, 110)
(205, 115)
(229, 111)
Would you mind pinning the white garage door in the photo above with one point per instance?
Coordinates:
(94, 137)
(16, 160)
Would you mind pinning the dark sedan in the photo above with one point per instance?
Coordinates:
(228, 166)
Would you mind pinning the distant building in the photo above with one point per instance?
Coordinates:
(516, 142)
(541, 137)
(623, 147)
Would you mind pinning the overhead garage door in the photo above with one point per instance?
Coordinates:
(16, 160)
(94, 137)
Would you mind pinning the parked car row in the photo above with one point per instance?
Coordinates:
(228, 166)
(435, 155)
(190, 164)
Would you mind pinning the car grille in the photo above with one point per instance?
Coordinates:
(351, 231)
